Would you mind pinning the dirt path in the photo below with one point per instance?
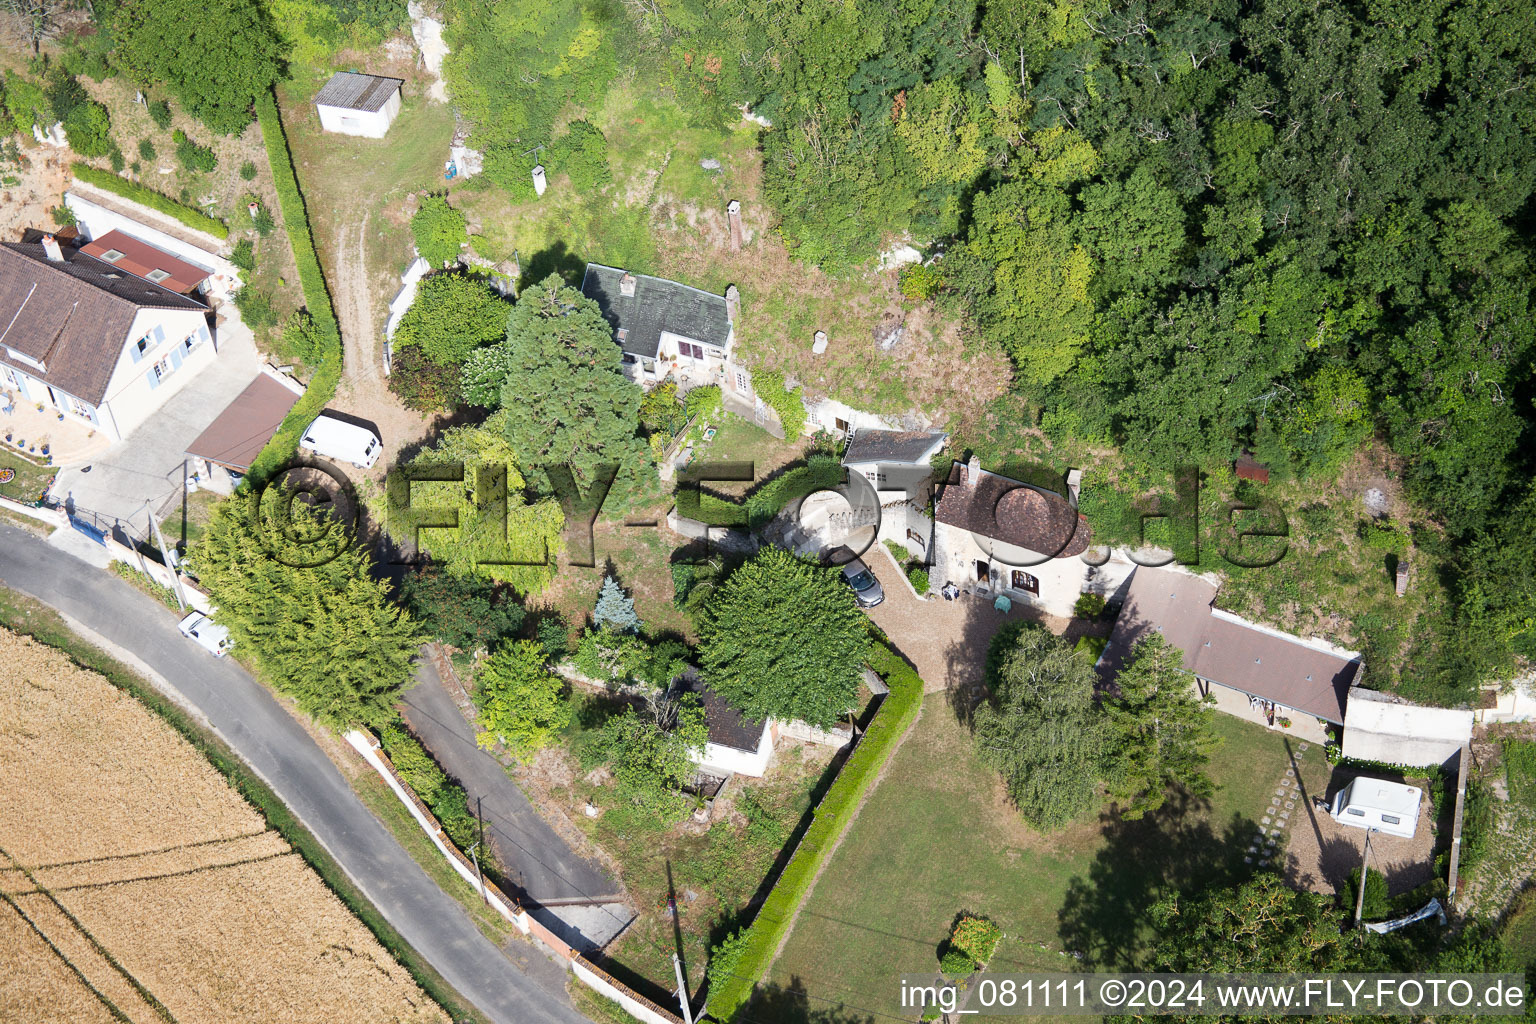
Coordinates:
(364, 390)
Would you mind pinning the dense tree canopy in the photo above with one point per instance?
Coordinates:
(558, 380)
(522, 703)
(215, 56)
(453, 315)
(1040, 727)
(327, 635)
(782, 637)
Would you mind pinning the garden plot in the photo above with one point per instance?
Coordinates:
(135, 884)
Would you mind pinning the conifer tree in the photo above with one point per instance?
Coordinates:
(615, 610)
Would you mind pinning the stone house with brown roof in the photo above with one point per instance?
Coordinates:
(103, 347)
(996, 536)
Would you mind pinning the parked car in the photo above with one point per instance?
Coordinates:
(866, 589)
(206, 633)
(342, 441)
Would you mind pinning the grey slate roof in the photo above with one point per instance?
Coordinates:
(913, 447)
(72, 316)
(658, 305)
(352, 91)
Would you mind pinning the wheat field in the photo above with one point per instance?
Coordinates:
(136, 885)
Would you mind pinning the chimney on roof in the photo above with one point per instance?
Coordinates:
(627, 285)
(733, 215)
(970, 473)
(51, 248)
(539, 182)
(732, 303)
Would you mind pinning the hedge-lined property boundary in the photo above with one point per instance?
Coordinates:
(762, 504)
(832, 817)
(197, 220)
(317, 298)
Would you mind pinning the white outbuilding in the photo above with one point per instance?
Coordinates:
(1390, 807)
(354, 104)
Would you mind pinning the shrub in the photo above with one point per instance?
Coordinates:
(554, 635)
(782, 399)
(830, 821)
(1376, 906)
(976, 937)
(1089, 606)
(1477, 823)
(244, 255)
(248, 170)
(422, 383)
(724, 957)
(194, 219)
(954, 963)
(412, 762)
(439, 231)
(582, 153)
(261, 220)
(62, 215)
(301, 338)
(463, 611)
(115, 158)
(160, 113)
(1091, 647)
(918, 577)
(703, 402)
(146, 149)
(919, 281)
(192, 156)
(256, 309)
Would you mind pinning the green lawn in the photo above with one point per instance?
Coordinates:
(31, 480)
(938, 837)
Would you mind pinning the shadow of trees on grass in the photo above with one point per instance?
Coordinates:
(1173, 849)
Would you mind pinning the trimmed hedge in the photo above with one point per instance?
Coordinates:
(819, 473)
(830, 821)
(195, 219)
(322, 386)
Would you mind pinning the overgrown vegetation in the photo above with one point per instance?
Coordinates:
(195, 219)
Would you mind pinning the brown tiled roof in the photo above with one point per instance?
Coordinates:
(245, 426)
(142, 259)
(352, 91)
(1224, 649)
(72, 316)
(1011, 512)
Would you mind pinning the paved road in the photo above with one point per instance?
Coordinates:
(246, 716)
(533, 854)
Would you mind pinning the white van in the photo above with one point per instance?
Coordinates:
(344, 442)
(206, 633)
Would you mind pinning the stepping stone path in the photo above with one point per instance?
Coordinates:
(1276, 817)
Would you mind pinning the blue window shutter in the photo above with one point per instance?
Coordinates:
(175, 359)
(133, 350)
(159, 334)
(21, 385)
(154, 381)
(202, 332)
(90, 410)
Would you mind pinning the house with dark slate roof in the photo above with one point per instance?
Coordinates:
(737, 745)
(996, 536)
(662, 327)
(354, 104)
(103, 347)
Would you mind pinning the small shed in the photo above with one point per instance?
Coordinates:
(354, 104)
(1390, 807)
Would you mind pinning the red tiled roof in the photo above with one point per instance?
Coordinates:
(141, 259)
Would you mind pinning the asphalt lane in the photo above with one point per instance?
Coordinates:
(246, 716)
(532, 854)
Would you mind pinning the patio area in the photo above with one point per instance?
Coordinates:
(69, 440)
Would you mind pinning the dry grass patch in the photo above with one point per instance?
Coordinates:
(141, 885)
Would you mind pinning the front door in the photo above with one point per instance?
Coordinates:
(982, 571)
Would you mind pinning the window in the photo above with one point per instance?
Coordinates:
(1391, 819)
(841, 424)
(1357, 812)
(741, 381)
(629, 357)
(913, 535)
(163, 368)
(157, 275)
(1025, 582)
(79, 408)
(111, 256)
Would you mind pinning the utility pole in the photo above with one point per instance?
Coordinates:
(682, 990)
(479, 831)
(1365, 858)
(170, 560)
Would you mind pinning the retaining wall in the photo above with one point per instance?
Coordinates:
(590, 975)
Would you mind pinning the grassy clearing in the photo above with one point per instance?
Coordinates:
(30, 481)
(939, 832)
(29, 618)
